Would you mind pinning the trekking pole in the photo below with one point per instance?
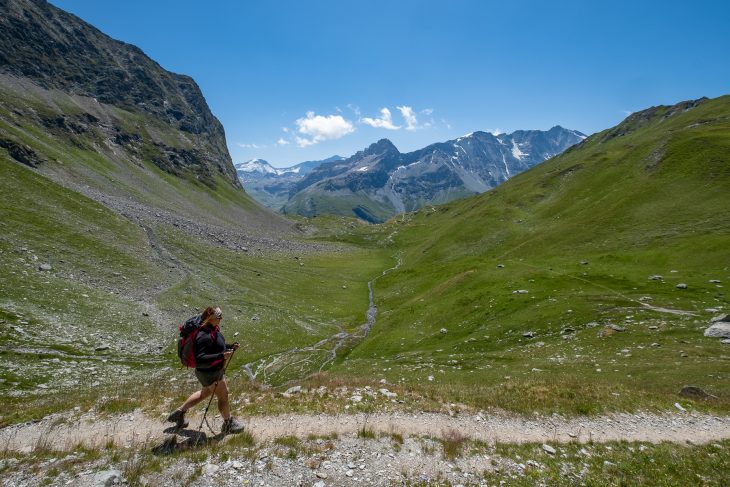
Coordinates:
(212, 395)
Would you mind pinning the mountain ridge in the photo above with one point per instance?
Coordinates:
(380, 181)
(270, 185)
(58, 51)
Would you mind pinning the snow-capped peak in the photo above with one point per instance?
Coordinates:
(257, 165)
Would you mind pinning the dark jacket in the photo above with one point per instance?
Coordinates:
(209, 347)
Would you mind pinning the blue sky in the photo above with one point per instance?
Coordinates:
(294, 80)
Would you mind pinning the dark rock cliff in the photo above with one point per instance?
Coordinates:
(57, 50)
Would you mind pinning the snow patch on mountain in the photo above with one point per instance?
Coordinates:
(516, 152)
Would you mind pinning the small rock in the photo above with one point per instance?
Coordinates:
(356, 398)
(656, 278)
(101, 348)
(681, 285)
(583, 262)
(616, 328)
(321, 475)
(430, 378)
(548, 449)
(107, 478)
(679, 406)
(350, 473)
(45, 267)
(237, 465)
(694, 392)
(294, 390)
(715, 281)
(528, 334)
(444, 331)
(500, 266)
(726, 341)
(567, 330)
(720, 318)
(592, 324)
(520, 291)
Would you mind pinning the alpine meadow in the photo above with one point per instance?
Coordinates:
(542, 307)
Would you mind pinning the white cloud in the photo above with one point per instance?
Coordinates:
(281, 141)
(427, 111)
(384, 122)
(249, 146)
(355, 109)
(285, 129)
(495, 132)
(409, 116)
(320, 127)
(304, 142)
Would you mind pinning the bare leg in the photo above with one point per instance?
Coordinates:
(221, 393)
(198, 396)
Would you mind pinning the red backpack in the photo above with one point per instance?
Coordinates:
(188, 331)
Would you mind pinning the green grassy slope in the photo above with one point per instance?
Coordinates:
(108, 309)
(111, 150)
(581, 234)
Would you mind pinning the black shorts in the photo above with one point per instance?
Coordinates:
(208, 377)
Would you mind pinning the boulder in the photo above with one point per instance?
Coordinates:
(294, 390)
(45, 267)
(719, 329)
(720, 318)
(681, 285)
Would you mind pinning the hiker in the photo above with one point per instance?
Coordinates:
(211, 355)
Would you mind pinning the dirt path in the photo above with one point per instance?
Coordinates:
(62, 432)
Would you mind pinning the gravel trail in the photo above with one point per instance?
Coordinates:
(63, 432)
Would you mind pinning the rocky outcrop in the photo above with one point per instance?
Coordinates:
(58, 51)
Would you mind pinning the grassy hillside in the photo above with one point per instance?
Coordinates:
(134, 250)
(526, 279)
(506, 299)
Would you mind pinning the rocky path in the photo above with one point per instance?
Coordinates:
(63, 432)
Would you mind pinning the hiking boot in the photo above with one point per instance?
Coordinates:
(231, 425)
(178, 417)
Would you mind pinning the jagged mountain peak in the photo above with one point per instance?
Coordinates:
(379, 181)
(381, 146)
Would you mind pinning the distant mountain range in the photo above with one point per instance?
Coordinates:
(271, 186)
(380, 181)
